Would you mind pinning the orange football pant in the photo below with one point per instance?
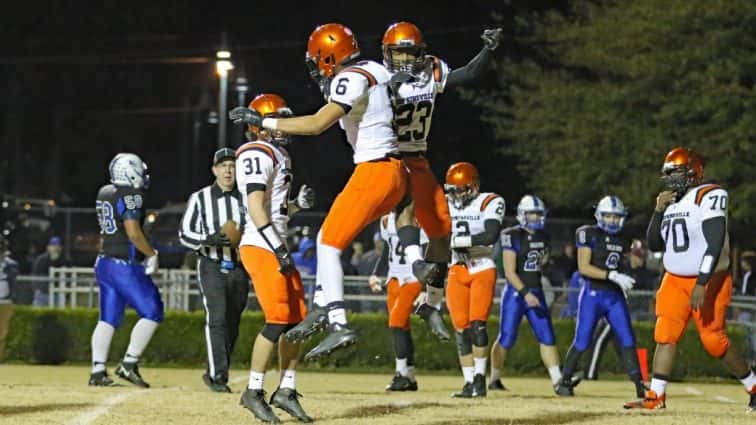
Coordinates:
(431, 206)
(469, 296)
(280, 296)
(400, 302)
(673, 311)
(374, 189)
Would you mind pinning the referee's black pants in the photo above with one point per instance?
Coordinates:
(224, 297)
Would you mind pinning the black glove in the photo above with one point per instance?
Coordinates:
(217, 239)
(491, 38)
(285, 263)
(398, 79)
(242, 114)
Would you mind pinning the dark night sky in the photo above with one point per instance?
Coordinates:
(83, 82)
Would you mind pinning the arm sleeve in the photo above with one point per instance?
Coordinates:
(472, 71)
(256, 167)
(488, 236)
(348, 88)
(714, 226)
(191, 234)
(653, 233)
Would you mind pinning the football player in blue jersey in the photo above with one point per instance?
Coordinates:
(123, 270)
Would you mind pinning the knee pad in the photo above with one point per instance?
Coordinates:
(272, 331)
(479, 333)
(716, 343)
(464, 342)
(668, 331)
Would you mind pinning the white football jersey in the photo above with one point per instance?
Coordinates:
(682, 230)
(413, 105)
(362, 89)
(469, 221)
(398, 266)
(261, 164)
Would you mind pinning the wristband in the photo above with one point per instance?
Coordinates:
(524, 291)
(270, 236)
(270, 123)
(462, 242)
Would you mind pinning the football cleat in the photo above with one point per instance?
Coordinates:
(497, 386)
(479, 385)
(401, 383)
(649, 401)
(130, 372)
(564, 388)
(752, 403)
(287, 400)
(101, 379)
(254, 401)
(339, 336)
(640, 390)
(426, 272)
(468, 391)
(315, 321)
(217, 387)
(432, 317)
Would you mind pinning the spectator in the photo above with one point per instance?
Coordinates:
(747, 284)
(53, 257)
(645, 280)
(358, 250)
(305, 258)
(369, 261)
(8, 273)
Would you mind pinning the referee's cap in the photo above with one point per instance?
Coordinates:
(223, 154)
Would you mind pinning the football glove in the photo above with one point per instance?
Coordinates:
(306, 197)
(285, 263)
(151, 264)
(242, 114)
(217, 239)
(491, 38)
(624, 281)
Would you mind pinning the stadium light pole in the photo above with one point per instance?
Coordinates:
(222, 66)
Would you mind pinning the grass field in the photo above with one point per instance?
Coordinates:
(59, 395)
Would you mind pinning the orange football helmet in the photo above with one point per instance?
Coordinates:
(330, 45)
(403, 37)
(682, 169)
(273, 106)
(462, 183)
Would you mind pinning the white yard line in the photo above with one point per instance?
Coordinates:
(724, 399)
(91, 415)
(693, 391)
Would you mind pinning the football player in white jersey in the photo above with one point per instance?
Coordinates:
(417, 78)
(358, 98)
(402, 291)
(263, 175)
(476, 223)
(689, 225)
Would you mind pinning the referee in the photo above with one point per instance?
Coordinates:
(222, 280)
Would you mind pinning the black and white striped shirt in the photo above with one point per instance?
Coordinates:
(206, 212)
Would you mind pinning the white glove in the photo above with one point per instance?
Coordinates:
(624, 281)
(151, 264)
(306, 197)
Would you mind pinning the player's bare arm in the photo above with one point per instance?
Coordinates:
(307, 125)
(586, 268)
(137, 237)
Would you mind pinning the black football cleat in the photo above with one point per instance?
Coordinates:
(254, 401)
(497, 386)
(216, 387)
(287, 400)
(401, 383)
(432, 317)
(752, 403)
(130, 372)
(479, 385)
(101, 379)
(339, 336)
(426, 272)
(564, 388)
(315, 321)
(467, 391)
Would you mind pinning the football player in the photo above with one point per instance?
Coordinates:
(525, 249)
(123, 269)
(357, 97)
(476, 222)
(402, 291)
(417, 78)
(689, 225)
(263, 175)
(601, 248)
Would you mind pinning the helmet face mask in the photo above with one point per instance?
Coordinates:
(681, 170)
(461, 195)
(409, 58)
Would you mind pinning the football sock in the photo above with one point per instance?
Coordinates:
(555, 374)
(468, 372)
(101, 337)
(256, 380)
(319, 298)
(140, 337)
(495, 374)
(749, 381)
(337, 313)
(401, 367)
(435, 296)
(570, 362)
(330, 275)
(411, 372)
(98, 367)
(480, 364)
(289, 379)
(659, 384)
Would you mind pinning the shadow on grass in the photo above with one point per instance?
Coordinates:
(385, 409)
(50, 407)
